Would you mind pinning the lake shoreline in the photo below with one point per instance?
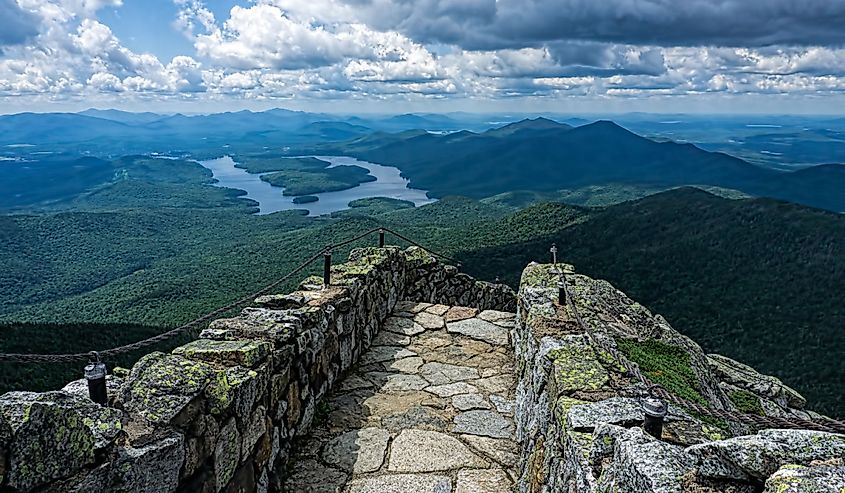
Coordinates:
(388, 183)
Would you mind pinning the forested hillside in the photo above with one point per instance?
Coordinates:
(543, 156)
(754, 279)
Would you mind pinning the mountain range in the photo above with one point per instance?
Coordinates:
(543, 155)
(443, 154)
(97, 129)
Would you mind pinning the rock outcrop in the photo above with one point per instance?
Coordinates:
(579, 413)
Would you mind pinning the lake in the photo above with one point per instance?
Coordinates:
(270, 199)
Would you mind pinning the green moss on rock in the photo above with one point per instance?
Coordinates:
(746, 402)
(665, 365)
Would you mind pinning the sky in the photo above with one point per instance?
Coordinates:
(392, 56)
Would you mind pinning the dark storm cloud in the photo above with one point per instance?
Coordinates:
(16, 24)
(603, 60)
(491, 24)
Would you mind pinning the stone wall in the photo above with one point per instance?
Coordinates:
(579, 414)
(429, 281)
(218, 414)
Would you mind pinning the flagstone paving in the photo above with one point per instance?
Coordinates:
(428, 409)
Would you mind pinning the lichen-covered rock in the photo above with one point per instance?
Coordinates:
(745, 377)
(237, 388)
(282, 301)
(626, 411)
(641, 463)
(573, 468)
(105, 423)
(576, 366)
(417, 257)
(247, 353)
(585, 416)
(793, 478)
(759, 456)
(255, 426)
(152, 468)
(47, 438)
(79, 388)
(568, 391)
(276, 326)
(227, 453)
(164, 387)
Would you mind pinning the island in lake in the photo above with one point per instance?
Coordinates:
(305, 175)
(305, 199)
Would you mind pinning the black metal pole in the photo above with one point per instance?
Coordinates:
(327, 267)
(95, 374)
(381, 238)
(561, 291)
(655, 411)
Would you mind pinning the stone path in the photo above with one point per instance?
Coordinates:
(429, 409)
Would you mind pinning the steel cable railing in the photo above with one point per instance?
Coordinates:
(170, 334)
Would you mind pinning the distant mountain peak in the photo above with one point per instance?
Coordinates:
(607, 127)
(605, 124)
(538, 123)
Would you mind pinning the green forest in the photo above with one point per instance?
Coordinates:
(754, 279)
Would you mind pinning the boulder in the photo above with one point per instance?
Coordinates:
(747, 378)
(152, 468)
(48, 437)
(247, 353)
(276, 326)
(756, 457)
(641, 463)
(793, 478)
(164, 387)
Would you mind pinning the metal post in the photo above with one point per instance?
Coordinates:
(655, 410)
(381, 238)
(553, 249)
(95, 374)
(458, 266)
(561, 291)
(327, 267)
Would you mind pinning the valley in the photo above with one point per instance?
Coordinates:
(111, 248)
